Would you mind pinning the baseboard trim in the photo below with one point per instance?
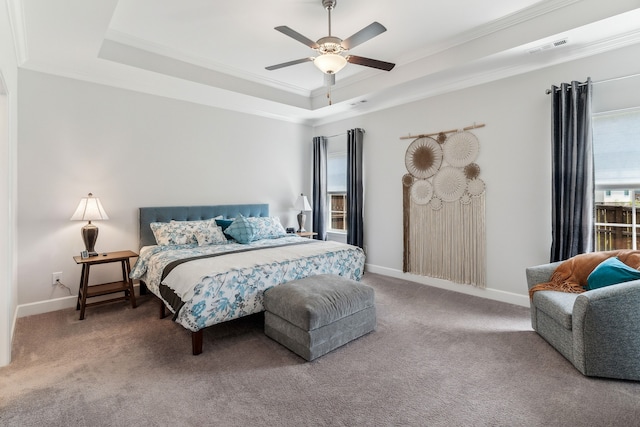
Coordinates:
(56, 304)
(489, 293)
(46, 306)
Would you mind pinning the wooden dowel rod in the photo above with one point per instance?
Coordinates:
(474, 126)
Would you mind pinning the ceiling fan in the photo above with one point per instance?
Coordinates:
(331, 59)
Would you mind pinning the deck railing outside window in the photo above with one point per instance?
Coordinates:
(616, 224)
(338, 212)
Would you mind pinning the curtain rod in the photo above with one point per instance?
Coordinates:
(342, 134)
(474, 126)
(548, 91)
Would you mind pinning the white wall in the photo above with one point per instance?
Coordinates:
(8, 143)
(515, 162)
(131, 150)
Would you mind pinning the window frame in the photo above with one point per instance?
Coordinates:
(337, 153)
(331, 211)
(606, 234)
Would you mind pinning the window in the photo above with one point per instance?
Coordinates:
(337, 187)
(338, 204)
(616, 150)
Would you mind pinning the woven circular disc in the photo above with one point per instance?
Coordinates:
(475, 187)
(461, 148)
(423, 157)
(421, 192)
(472, 170)
(435, 203)
(407, 180)
(449, 184)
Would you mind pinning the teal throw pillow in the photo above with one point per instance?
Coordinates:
(610, 272)
(241, 230)
(224, 223)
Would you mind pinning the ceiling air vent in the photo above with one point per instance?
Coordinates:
(548, 46)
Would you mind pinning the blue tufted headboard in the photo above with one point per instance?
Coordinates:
(192, 213)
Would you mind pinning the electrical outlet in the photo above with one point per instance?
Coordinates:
(55, 278)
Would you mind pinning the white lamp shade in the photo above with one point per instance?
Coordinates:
(303, 203)
(89, 209)
(330, 63)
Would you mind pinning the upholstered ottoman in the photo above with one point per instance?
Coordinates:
(317, 314)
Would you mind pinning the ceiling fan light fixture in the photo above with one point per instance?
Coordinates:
(330, 63)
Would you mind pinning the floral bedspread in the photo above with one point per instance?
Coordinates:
(215, 289)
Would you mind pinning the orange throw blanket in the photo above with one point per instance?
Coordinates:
(571, 275)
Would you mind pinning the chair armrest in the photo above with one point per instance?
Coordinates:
(606, 331)
(540, 273)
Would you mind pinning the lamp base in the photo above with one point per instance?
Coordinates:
(90, 235)
(302, 218)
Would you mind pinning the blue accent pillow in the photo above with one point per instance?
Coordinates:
(611, 272)
(241, 230)
(224, 223)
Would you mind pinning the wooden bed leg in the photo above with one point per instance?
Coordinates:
(162, 312)
(196, 342)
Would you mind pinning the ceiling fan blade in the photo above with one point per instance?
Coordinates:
(367, 33)
(373, 63)
(297, 36)
(287, 64)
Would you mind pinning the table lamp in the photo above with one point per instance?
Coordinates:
(303, 205)
(89, 209)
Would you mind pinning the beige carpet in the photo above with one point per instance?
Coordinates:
(437, 358)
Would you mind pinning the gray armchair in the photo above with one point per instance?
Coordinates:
(598, 331)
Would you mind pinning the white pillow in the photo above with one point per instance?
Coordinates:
(267, 227)
(210, 235)
(178, 232)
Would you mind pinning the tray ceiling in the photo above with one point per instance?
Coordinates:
(215, 53)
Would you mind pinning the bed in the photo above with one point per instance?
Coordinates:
(204, 279)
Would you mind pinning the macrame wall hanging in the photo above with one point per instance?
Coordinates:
(444, 208)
